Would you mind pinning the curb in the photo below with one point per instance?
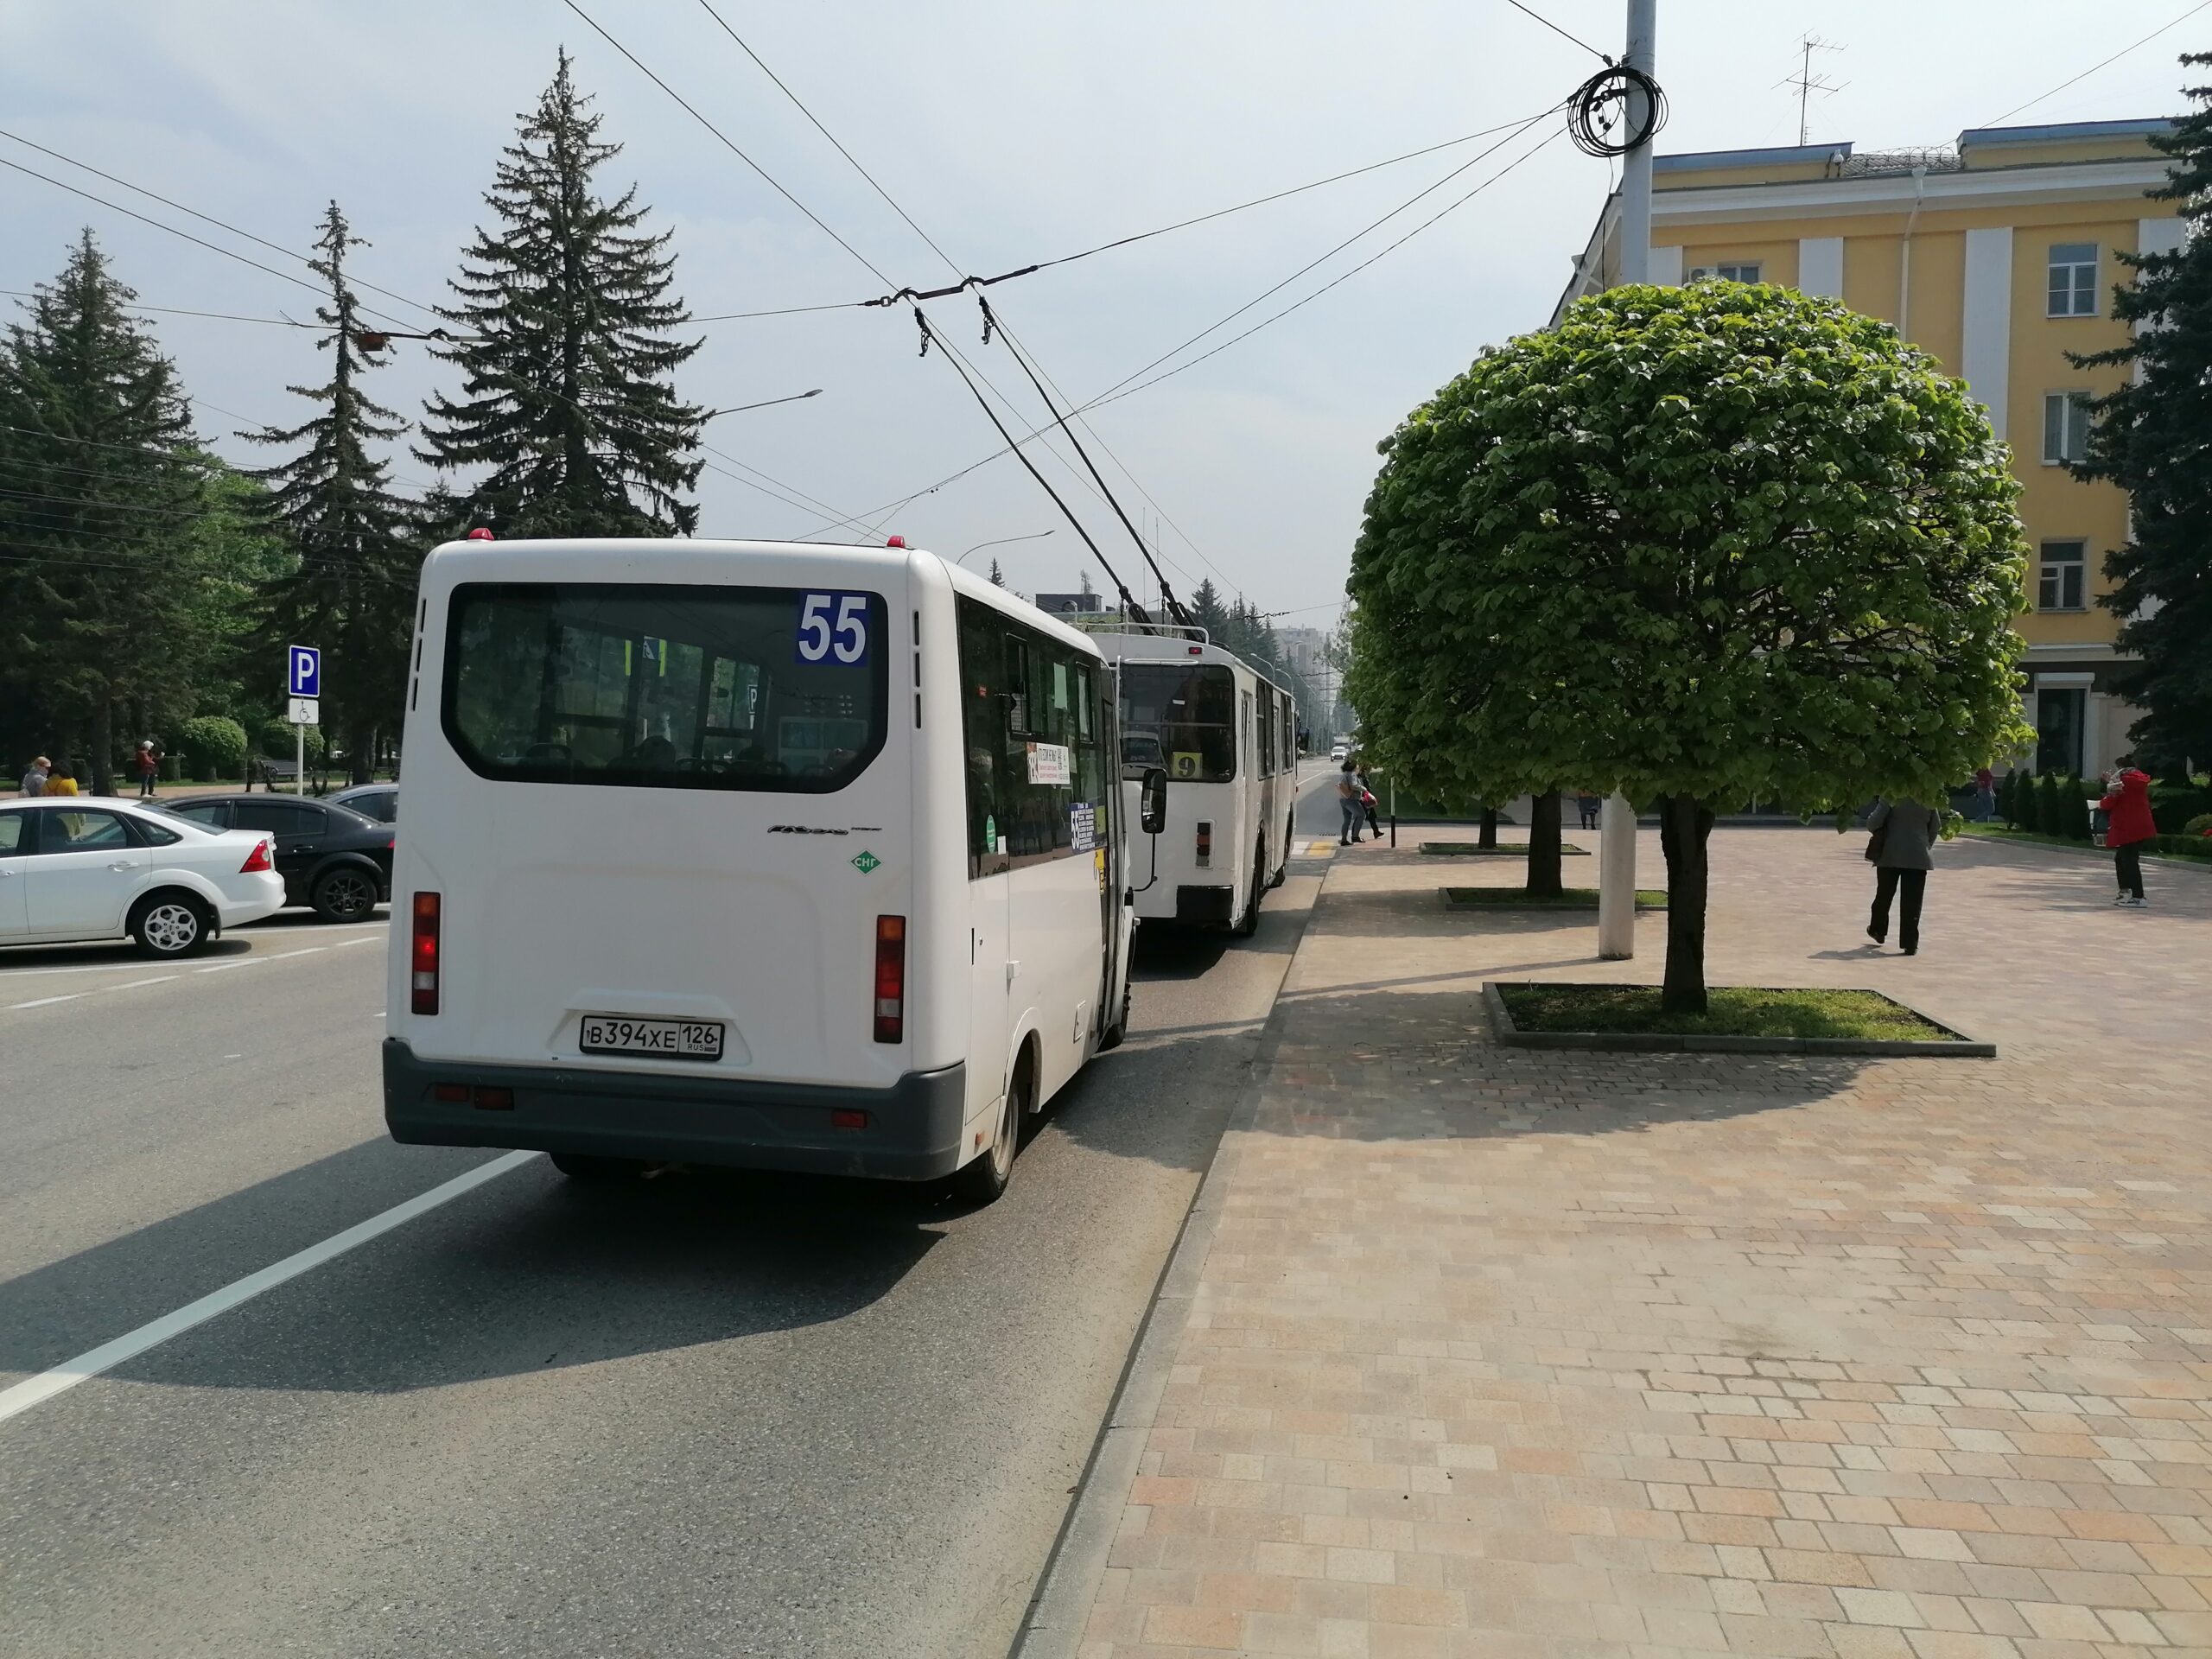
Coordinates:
(1959, 1047)
(1053, 1626)
(1463, 907)
(1469, 850)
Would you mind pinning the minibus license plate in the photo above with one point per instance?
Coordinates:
(668, 1039)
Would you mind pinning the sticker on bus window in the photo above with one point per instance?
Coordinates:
(1082, 826)
(833, 630)
(1049, 763)
(1185, 765)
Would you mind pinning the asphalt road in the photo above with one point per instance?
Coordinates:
(706, 1415)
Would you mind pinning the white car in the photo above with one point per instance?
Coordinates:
(87, 869)
(1338, 752)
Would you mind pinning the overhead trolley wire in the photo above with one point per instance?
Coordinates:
(2094, 67)
(1557, 31)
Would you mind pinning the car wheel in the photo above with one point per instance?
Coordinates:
(1250, 924)
(983, 1179)
(1289, 840)
(586, 1166)
(170, 925)
(345, 894)
(1112, 1036)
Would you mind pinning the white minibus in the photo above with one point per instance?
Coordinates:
(1227, 737)
(779, 856)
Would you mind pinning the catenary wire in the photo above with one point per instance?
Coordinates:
(1557, 31)
(2094, 67)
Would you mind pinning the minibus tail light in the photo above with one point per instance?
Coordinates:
(1205, 845)
(424, 955)
(890, 979)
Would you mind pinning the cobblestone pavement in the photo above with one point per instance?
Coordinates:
(1509, 1352)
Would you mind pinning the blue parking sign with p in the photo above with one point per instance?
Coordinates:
(303, 677)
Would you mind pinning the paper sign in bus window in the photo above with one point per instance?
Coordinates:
(1082, 826)
(1050, 763)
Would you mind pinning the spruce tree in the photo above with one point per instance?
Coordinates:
(100, 493)
(998, 577)
(564, 320)
(2151, 437)
(1208, 611)
(352, 590)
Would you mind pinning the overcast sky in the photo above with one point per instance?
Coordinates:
(1012, 130)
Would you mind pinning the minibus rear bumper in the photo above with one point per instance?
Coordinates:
(911, 1133)
(1206, 906)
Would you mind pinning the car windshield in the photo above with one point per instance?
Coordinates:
(666, 687)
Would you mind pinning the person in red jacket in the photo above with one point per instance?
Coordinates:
(2128, 808)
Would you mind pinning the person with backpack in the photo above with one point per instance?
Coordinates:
(2128, 824)
(1901, 847)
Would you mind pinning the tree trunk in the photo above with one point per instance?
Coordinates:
(1543, 846)
(103, 745)
(1685, 825)
(1488, 834)
(361, 753)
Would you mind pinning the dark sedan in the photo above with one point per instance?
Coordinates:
(331, 857)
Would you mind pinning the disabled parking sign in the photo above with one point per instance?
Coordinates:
(302, 671)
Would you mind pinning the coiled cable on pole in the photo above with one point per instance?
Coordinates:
(1597, 113)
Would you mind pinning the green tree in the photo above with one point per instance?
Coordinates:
(567, 404)
(104, 581)
(1703, 545)
(998, 577)
(351, 589)
(2150, 437)
(1208, 611)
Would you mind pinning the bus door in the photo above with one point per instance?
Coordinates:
(1111, 852)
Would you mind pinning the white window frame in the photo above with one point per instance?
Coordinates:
(1730, 271)
(2073, 429)
(2050, 570)
(2078, 298)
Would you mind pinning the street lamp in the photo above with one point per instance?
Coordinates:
(1001, 542)
(739, 409)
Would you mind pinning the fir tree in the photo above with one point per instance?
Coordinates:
(352, 590)
(1208, 611)
(998, 577)
(566, 355)
(2150, 437)
(99, 490)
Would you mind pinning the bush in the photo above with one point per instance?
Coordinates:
(2183, 846)
(2012, 798)
(2199, 825)
(276, 742)
(2047, 805)
(2174, 806)
(214, 746)
(2073, 810)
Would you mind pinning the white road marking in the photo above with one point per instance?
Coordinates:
(46, 1001)
(85, 968)
(43, 1387)
(342, 944)
(286, 955)
(162, 980)
(226, 967)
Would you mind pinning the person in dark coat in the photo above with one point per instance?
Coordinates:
(2126, 806)
(1906, 832)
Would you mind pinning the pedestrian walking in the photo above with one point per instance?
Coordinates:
(1367, 803)
(60, 780)
(1985, 795)
(1587, 804)
(1348, 792)
(34, 779)
(149, 762)
(2128, 824)
(1901, 847)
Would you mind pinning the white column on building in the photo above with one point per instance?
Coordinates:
(1820, 266)
(1666, 266)
(1985, 348)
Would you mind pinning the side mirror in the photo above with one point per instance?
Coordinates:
(1152, 801)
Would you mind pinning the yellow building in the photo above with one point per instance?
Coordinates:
(1997, 257)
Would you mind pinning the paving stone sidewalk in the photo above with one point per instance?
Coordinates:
(1513, 1353)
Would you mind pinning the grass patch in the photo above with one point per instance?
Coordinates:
(1734, 1011)
(1522, 898)
(2006, 832)
(2197, 847)
(1503, 849)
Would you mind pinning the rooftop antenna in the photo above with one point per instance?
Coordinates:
(1808, 83)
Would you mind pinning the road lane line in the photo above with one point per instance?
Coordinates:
(45, 1001)
(43, 1387)
(226, 967)
(286, 955)
(366, 938)
(161, 979)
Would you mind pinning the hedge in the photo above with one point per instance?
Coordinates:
(2173, 806)
(214, 745)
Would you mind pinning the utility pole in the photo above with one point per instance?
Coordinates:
(1617, 826)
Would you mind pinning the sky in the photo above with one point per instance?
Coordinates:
(1011, 131)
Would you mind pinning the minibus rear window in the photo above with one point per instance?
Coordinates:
(663, 686)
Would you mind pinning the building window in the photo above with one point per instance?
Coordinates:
(2065, 426)
(2061, 584)
(2073, 279)
(2060, 716)
(1737, 273)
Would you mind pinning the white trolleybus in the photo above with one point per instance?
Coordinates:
(1227, 737)
(775, 855)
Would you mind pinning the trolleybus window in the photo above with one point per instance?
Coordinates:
(1191, 709)
(1037, 774)
(666, 686)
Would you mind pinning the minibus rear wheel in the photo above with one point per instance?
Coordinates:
(981, 1180)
